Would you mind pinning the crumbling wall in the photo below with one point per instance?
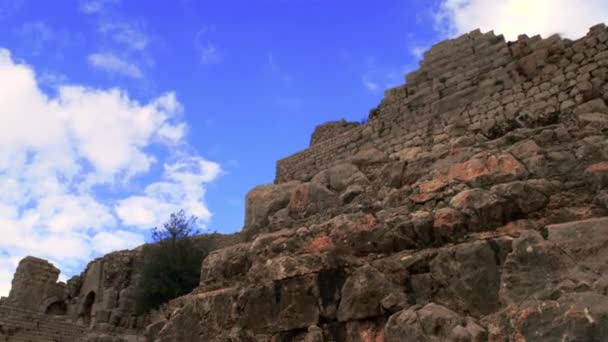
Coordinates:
(100, 299)
(477, 83)
(330, 129)
(21, 325)
(35, 285)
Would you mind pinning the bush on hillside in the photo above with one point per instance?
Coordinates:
(171, 265)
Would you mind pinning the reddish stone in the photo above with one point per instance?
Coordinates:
(371, 333)
(423, 198)
(448, 217)
(468, 171)
(320, 244)
(493, 169)
(601, 167)
(432, 185)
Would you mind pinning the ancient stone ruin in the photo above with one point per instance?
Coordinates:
(471, 206)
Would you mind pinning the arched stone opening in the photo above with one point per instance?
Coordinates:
(58, 308)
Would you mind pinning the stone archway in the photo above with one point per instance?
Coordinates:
(54, 306)
(87, 308)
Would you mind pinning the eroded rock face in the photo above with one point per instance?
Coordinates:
(432, 323)
(35, 286)
(467, 209)
(472, 206)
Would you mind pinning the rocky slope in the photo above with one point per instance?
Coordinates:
(473, 206)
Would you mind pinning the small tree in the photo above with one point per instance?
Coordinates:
(171, 265)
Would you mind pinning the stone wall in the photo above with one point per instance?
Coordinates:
(477, 83)
(101, 300)
(35, 285)
(20, 325)
(330, 129)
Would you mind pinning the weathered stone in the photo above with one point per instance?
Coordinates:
(369, 156)
(362, 234)
(315, 334)
(364, 292)
(449, 225)
(35, 282)
(470, 277)
(392, 174)
(573, 317)
(531, 267)
(343, 175)
(525, 149)
(490, 170)
(226, 265)
(310, 198)
(486, 209)
(263, 201)
(526, 197)
(595, 105)
(330, 129)
(350, 193)
(432, 323)
(597, 174)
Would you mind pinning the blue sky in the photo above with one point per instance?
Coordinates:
(117, 112)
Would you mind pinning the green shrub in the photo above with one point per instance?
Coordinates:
(171, 265)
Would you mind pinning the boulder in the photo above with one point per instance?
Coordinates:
(226, 265)
(370, 156)
(432, 323)
(365, 292)
(449, 225)
(527, 198)
(533, 266)
(581, 316)
(469, 277)
(485, 209)
(343, 175)
(262, 202)
(311, 198)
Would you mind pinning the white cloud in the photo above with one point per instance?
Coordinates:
(113, 64)
(418, 51)
(370, 85)
(52, 79)
(208, 52)
(172, 133)
(511, 18)
(96, 6)
(106, 242)
(130, 34)
(182, 187)
(57, 151)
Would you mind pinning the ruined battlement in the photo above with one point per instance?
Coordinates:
(477, 83)
(329, 130)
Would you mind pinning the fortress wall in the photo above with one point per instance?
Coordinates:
(477, 86)
(329, 130)
(21, 325)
